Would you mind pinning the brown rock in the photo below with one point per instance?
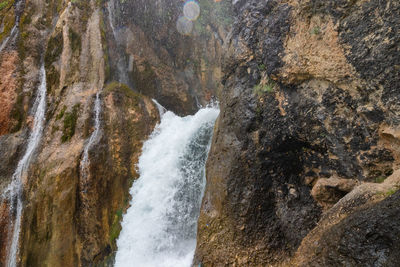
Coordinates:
(328, 192)
(8, 89)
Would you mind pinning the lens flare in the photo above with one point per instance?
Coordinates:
(191, 10)
(184, 25)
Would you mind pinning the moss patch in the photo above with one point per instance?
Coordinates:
(70, 119)
(121, 88)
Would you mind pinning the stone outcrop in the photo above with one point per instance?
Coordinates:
(310, 104)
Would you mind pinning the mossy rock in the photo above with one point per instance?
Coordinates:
(120, 88)
(70, 119)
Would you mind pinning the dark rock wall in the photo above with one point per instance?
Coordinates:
(310, 92)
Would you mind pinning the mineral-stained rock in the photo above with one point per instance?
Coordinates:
(311, 91)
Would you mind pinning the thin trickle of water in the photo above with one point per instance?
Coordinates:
(159, 229)
(14, 190)
(120, 62)
(11, 37)
(15, 29)
(161, 109)
(93, 139)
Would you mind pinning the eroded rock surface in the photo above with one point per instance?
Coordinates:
(311, 91)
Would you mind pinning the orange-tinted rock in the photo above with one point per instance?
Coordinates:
(8, 89)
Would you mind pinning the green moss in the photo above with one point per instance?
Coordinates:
(261, 67)
(380, 179)
(121, 88)
(4, 4)
(391, 192)
(70, 119)
(116, 226)
(315, 31)
(61, 114)
(7, 18)
(262, 89)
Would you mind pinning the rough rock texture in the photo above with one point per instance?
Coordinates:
(311, 92)
(328, 192)
(69, 218)
(180, 71)
(72, 215)
(8, 86)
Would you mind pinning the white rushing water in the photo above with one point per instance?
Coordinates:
(93, 139)
(14, 190)
(11, 37)
(159, 229)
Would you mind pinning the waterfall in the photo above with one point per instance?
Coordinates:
(93, 139)
(13, 34)
(159, 229)
(15, 30)
(161, 109)
(14, 190)
(120, 64)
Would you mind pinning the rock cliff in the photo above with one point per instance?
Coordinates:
(76, 186)
(303, 169)
(304, 164)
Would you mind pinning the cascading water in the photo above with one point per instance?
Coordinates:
(159, 229)
(94, 137)
(14, 190)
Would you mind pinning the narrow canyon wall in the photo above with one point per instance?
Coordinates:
(303, 169)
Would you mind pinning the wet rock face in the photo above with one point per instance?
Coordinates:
(300, 105)
(180, 71)
(68, 219)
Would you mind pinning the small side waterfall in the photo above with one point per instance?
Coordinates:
(161, 109)
(93, 139)
(120, 63)
(15, 189)
(159, 229)
(15, 29)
